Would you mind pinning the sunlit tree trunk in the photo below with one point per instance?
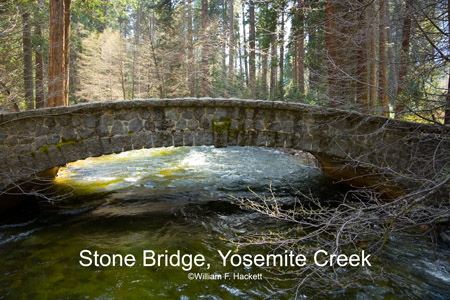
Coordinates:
(224, 48)
(190, 58)
(281, 37)
(205, 88)
(67, 4)
(56, 73)
(252, 62)
(264, 74)
(273, 65)
(137, 36)
(245, 45)
(231, 43)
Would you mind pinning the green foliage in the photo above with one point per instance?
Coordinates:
(293, 93)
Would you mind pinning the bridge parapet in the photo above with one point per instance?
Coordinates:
(38, 140)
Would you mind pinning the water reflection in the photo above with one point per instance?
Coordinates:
(179, 199)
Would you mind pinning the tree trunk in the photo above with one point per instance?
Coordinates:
(224, 50)
(66, 50)
(273, 65)
(190, 58)
(331, 40)
(27, 59)
(39, 64)
(362, 86)
(231, 43)
(382, 68)
(447, 107)
(264, 75)
(404, 61)
(56, 72)
(373, 88)
(205, 91)
(245, 45)
(137, 37)
(281, 83)
(301, 49)
(294, 50)
(252, 63)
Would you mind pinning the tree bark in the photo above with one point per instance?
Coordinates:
(205, 91)
(264, 74)
(39, 64)
(245, 45)
(301, 48)
(406, 35)
(382, 68)
(67, 4)
(294, 50)
(273, 65)
(362, 87)
(56, 72)
(252, 63)
(331, 40)
(137, 37)
(190, 58)
(281, 82)
(27, 59)
(373, 87)
(231, 43)
(447, 107)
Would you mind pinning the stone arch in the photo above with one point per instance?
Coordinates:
(34, 141)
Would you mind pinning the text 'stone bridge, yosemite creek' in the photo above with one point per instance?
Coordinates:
(366, 149)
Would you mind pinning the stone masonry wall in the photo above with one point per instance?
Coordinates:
(35, 141)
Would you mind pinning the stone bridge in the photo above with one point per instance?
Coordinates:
(349, 145)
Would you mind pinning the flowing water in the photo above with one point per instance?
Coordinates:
(180, 199)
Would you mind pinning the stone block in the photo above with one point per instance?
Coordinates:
(85, 133)
(90, 121)
(178, 138)
(42, 161)
(69, 152)
(56, 157)
(197, 138)
(252, 138)
(116, 144)
(135, 125)
(158, 139)
(95, 147)
(208, 138)
(167, 137)
(118, 128)
(127, 145)
(138, 140)
(188, 138)
(261, 139)
(105, 145)
(192, 125)
(187, 114)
